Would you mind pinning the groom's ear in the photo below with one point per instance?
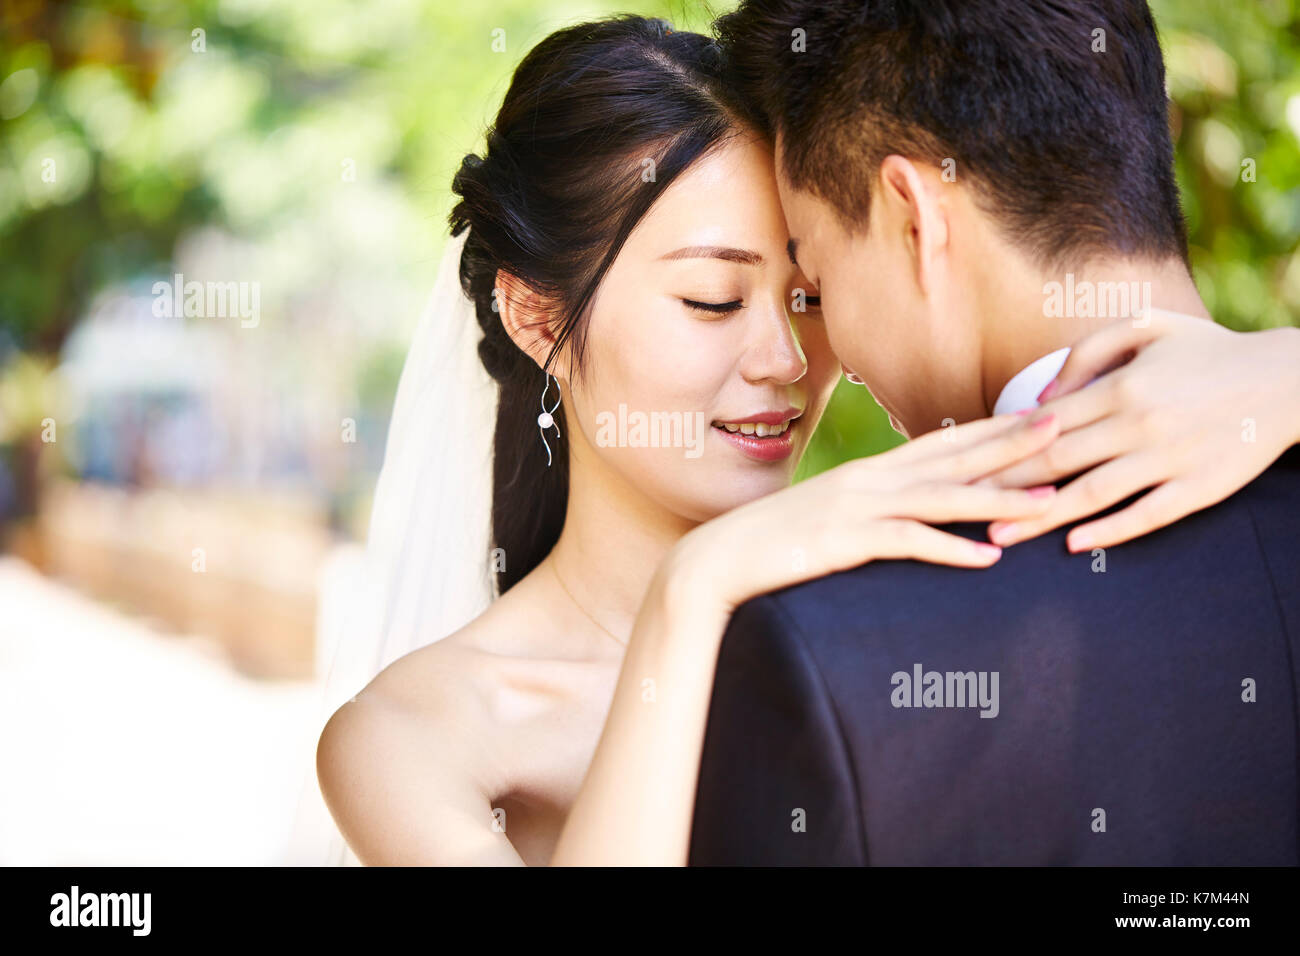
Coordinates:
(528, 317)
(912, 208)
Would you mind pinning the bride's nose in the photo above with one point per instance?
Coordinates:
(773, 353)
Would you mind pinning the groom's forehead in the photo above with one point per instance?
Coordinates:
(805, 215)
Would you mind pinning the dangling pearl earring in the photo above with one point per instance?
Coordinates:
(546, 419)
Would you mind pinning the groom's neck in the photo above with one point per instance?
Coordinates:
(1034, 313)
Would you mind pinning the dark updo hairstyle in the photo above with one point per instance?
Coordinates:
(599, 119)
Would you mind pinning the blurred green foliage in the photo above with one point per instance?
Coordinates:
(1234, 77)
(127, 124)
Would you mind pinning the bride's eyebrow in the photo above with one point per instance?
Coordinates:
(743, 256)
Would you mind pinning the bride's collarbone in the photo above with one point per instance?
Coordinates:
(522, 719)
(501, 659)
(504, 705)
(523, 691)
(541, 718)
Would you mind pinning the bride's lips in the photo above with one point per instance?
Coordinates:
(762, 448)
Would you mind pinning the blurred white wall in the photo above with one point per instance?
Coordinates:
(126, 745)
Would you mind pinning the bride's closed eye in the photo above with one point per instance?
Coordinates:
(714, 308)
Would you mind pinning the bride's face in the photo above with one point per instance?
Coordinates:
(707, 362)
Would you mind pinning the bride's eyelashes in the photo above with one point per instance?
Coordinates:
(714, 308)
(726, 308)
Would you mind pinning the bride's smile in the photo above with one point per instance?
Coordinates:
(763, 436)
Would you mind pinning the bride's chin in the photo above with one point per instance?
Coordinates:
(741, 489)
(723, 493)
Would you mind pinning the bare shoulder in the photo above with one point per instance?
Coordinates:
(406, 767)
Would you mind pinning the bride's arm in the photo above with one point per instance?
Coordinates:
(636, 801)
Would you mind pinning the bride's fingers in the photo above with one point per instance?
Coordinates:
(901, 538)
(849, 545)
(1086, 495)
(1088, 404)
(942, 502)
(1070, 454)
(1164, 505)
(1110, 346)
(969, 462)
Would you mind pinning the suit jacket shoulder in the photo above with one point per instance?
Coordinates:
(1133, 705)
(773, 725)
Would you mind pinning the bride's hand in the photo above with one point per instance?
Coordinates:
(1199, 413)
(863, 510)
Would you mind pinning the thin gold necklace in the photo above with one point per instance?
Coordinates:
(556, 570)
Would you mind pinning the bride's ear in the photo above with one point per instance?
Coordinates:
(528, 317)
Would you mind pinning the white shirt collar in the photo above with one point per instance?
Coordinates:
(1023, 389)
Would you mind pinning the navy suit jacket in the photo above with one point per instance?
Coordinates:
(1146, 713)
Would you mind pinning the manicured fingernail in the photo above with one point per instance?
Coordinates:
(988, 550)
(1048, 392)
(1002, 533)
(1078, 541)
(1042, 422)
(1024, 411)
(1042, 491)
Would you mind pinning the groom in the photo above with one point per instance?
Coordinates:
(949, 170)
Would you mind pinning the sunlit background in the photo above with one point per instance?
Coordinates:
(183, 497)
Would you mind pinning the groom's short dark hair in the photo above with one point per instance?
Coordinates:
(1055, 110)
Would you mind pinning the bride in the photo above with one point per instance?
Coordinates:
(545, 679)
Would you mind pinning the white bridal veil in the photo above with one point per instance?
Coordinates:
(427, 562)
